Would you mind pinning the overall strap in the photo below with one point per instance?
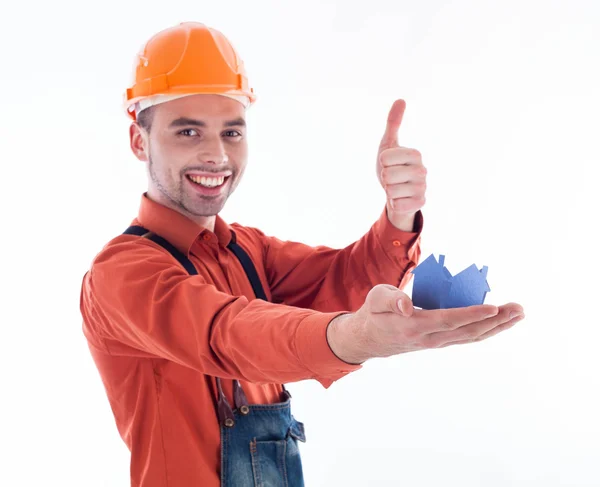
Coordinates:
(182, 259)
(238, 251)
(224, 410)
(249, 269)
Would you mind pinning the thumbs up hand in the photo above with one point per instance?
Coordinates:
(401, 173)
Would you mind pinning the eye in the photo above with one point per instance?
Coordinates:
(188, 132)
(234, 132)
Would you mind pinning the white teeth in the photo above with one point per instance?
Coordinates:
(208, 182)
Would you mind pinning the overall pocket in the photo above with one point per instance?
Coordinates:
(277, 463)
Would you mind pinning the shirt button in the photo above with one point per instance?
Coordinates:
(397, 243)
(206, 237)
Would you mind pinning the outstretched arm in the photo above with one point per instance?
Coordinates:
(136, 301)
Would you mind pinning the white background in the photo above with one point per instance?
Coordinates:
(502, 101)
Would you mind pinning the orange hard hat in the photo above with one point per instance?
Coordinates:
(187, 59)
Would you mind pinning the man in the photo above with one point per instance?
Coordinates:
(192, 363)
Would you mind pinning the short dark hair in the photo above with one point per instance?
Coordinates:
(144, 118)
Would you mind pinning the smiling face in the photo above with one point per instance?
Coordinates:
(196, 151)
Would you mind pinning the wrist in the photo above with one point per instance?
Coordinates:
(403, 222)
(344, 339)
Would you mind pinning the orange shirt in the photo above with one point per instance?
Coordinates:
(159, 336)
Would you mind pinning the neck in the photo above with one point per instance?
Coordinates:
(207, 222)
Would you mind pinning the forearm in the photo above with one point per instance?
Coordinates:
(269, 342)
(384, 255)
(327, 279)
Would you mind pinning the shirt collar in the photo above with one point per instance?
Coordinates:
(176, 228)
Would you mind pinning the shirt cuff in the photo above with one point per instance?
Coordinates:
(394, 240)
(315, 353)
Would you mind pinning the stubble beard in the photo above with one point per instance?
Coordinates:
(177, 196)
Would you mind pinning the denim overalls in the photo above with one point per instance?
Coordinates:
(259, 442)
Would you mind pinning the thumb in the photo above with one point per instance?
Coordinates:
(394, 120)
(385, 298)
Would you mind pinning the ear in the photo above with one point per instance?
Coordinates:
(138, 141)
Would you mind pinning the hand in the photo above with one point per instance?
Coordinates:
(387, 324)
(401, 173)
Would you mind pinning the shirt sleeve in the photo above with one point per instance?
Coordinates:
(326, 279)
(136, 301)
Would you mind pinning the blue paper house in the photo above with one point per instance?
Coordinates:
(432, 282)
(435, 288)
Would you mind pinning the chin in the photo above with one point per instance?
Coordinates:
(206, 210)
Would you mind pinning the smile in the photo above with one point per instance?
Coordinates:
(206, 181)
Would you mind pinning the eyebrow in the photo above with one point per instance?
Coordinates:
(179, 122)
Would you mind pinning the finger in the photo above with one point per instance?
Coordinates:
(489, 334)
(394, 120)
(385, 298)
(500, 328)
(405, 305)
(471, 331)
(436, 320)
(398, 156)
(403, 174)
(513, 308)
(405, 190)
(406, 205)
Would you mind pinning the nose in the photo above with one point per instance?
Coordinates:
(213, 152)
